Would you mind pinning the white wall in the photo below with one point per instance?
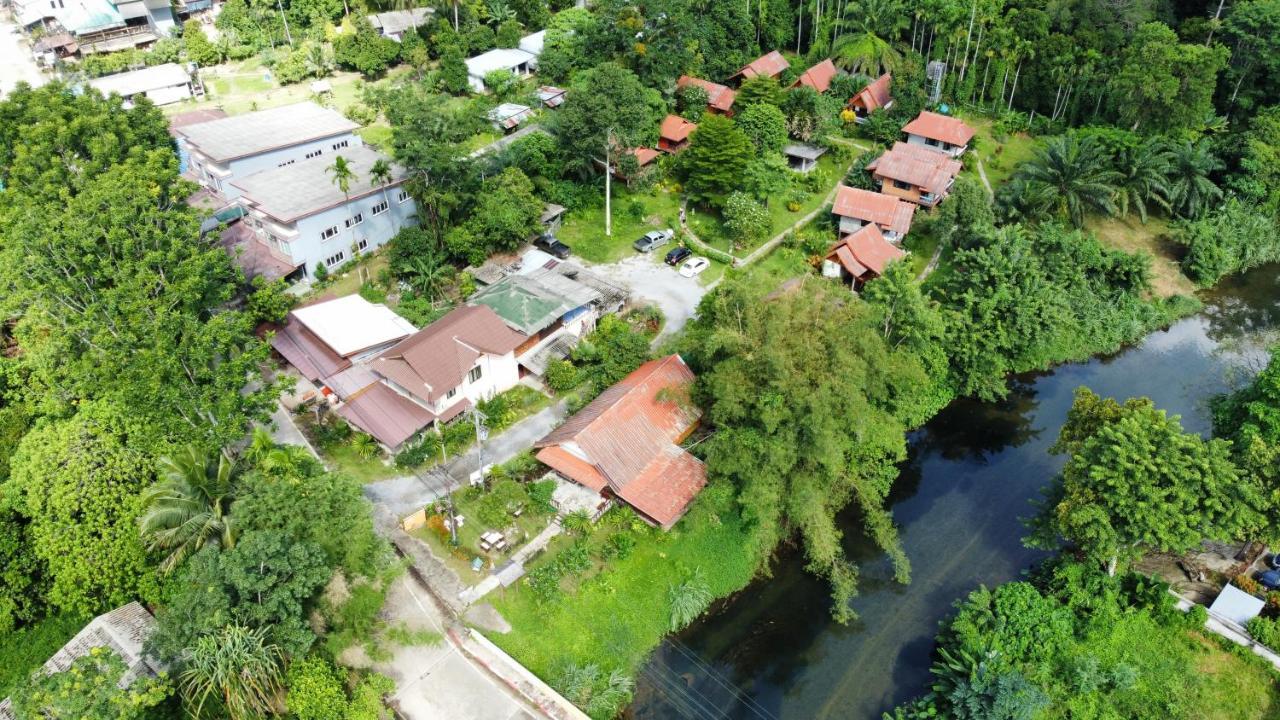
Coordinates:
(309, 249)
(271, 159)
(952, 150)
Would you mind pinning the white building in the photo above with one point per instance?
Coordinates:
(96, 26)
(303, 217)
(161, 84)
(222, 152)
(519, 63)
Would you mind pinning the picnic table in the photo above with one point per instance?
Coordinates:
(493, 540)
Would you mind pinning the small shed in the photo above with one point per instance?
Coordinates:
(551, 96)
(803, 157)
(509, 116)
(1236, 605)
(552, 214)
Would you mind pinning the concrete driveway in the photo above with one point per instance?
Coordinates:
(649, 279)
(16, 61)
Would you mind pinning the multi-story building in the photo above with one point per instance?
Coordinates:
(220, 153)
(302, 216)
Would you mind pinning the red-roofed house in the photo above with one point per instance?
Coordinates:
(673, 136)
(875, 96)
(770, 64)
(719, 97)
(818, 77)
(915, 173)
(625, 443)
(855, 207)
(432, 376)
(860, 257)
(941, 132)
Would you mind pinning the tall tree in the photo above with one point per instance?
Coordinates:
(607, 109)
(1068, 178)
(1144, 172)
(717, 155)
(1164, 84)
(1134, 481)
(237, 671)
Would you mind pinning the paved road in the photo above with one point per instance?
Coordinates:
(403, 495)
(16, 61)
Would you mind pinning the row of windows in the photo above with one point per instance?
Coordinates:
(354, 220)
(379, 208)
(339, 144)
(335, 259)
(328, 232)
(287, 162)
(358, 218)
(315, 153)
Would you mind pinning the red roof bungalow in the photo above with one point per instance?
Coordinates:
(875, 96)
(855, 207)
(860, 257)
(915, 173)
(673, 136)
(940, 132)
(625, 443)
(818, 77)
(771, 64)
(719, 97)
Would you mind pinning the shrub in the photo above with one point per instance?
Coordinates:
(315, 692)
(1265, 631)
(561, 375)
(540, 494)
(361, 114)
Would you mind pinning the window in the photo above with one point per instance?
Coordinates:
(329, 232)
(449, 395)
(314, 153)
(354, 220)
(379, 208)
(363, 244)
(475, 374)
(339, 144)
(403, 196)
(286, 162)
(335, 259)
(901, 185)
(931, 141)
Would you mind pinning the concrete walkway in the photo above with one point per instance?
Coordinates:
(503, 142)
(982, 174)
(1232, 632)
(285, 431)
(514, 569)
(409, 493)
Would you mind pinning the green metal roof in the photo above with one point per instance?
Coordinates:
(520, 305)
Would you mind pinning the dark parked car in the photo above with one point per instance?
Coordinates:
(1270, 579)
(548, 243)
(677, 255)
(653, 240)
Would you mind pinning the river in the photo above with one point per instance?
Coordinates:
(772, 651)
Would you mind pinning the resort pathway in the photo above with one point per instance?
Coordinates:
(931, 265)
(503, 142)
(982, 174)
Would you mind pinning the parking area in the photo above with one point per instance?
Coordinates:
(649, 279)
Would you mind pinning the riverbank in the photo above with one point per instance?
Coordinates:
(972, 473)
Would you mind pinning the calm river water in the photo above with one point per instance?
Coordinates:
(773, 652)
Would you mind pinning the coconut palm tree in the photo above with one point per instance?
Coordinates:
(1191, 192)
(862, 46)
(1144, 177)
(343, 175)
(380, 173)
(190, 506)
(236, 668)
(1069, 178)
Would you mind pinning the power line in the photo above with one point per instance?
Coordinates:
(719, 678)
(692, 703)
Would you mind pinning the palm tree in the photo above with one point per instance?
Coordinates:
(1144, 174)
(343, 175)
(239, 668)
(428, 274)
(862, 46)
(1069, 177)
(1191, 192)
(190, 506)
(381, 174)
(261, 444)
(499, 11)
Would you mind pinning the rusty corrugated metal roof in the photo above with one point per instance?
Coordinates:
(875, 95)
(940, 127)
(918, 165)
(818, 77)
(385, 414)
(771, 64)
(887, 211)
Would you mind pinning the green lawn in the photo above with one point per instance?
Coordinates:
(519, 531)
(25, 649)
(1000, 156)
(921, 245)
(377, 135)
(618, 610)
(241, 87)
(634, 214)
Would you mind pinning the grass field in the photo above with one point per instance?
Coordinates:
(634, 214)
(618, 610)
(24, 650)
(240, 87)
(1128, 234)
(1000, 156)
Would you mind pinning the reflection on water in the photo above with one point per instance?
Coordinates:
(773, 652)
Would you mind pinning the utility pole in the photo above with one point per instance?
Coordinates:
(482, 434)
(608, 174)
(287, 36)
(448, 491)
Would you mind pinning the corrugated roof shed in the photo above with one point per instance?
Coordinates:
(771, 64)
(875, 95)
(719, 97)
(133, 82)
(385, 414)
(917, 165)
(865, 250)
(818, 77)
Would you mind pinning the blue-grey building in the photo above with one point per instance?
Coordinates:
(304, 219)
(223, 152)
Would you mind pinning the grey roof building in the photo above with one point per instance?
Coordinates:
(394, 23)
(301, 189)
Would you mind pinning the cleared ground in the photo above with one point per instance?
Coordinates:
(1130, 235)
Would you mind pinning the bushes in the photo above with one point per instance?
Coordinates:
(561, 376)
(1234, 238)
(1265, 631)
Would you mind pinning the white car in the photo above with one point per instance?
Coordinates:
(693, 266)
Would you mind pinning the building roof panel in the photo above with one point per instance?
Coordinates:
(385, 414)
(887, 211)
(351, 324)
(257, 132)
(305, 188)
(940, 127)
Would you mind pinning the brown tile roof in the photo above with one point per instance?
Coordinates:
(388, 416)
(644, 155)
(875, 95)
(194, 117)
(719, 97)
(917, 165)
(676, 129)
(306, 352)
(770, 64)
(940, 127)
(886, 211)
(435, 359)
(818, 77)
(628, 436)
(863, 251)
